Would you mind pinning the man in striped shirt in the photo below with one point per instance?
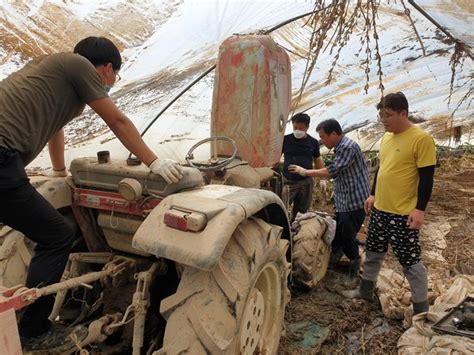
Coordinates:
(351, 180)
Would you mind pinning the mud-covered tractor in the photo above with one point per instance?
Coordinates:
(200, 266)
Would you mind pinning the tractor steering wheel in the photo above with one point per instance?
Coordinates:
(214, 163)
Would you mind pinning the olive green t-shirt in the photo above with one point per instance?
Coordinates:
(42, 97)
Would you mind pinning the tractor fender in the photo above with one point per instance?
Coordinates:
(224, 208)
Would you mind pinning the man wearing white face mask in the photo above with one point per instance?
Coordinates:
(299, 148)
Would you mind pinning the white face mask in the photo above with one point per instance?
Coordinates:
(299, 134)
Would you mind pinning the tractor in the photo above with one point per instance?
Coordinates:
(200, 266)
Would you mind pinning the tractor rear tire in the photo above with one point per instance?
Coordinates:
(310, 253)
(15, 256)
(237, 308)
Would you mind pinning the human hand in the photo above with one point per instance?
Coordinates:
(323, 185)
(415, 219)
(168, 169)
(296, 169)
(369, 204)
(55, 173)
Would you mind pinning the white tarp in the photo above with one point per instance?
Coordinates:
(179, 41)
(422, 339)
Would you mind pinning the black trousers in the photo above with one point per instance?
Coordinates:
(301, 195)
(24, 209)
(347, 226)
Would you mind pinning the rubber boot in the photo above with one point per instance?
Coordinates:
(352, 278)
(365, 291)
(420, 307)
(334, 258)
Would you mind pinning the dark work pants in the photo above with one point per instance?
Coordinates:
(25, 210)
(347, 226)
(301, 195)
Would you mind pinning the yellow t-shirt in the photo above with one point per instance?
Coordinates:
(397, 180)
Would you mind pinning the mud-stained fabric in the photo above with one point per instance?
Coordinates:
(421, 339)
(329, 234)
(42, 97)
(388, 228)
(394, 294)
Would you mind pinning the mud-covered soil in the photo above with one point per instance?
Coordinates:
(359, 327)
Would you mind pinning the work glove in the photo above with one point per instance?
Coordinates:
(55, 173)
(168, 169)
(296, 169)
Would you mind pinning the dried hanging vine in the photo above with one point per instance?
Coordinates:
(456, 61)
(457, 58)
(461, 52)
(334, 22)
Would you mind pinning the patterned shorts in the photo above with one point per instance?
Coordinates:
(385, 228)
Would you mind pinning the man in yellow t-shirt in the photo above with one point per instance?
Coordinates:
(402, 188)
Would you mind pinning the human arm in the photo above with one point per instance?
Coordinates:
(333, 168)
(319, 173)
(425, 187)
(123, 128)
(369, 202)
(318, 163)
(425, 157)
(128, 134)
(56, 154)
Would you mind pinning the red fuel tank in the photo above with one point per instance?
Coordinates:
(251, 100)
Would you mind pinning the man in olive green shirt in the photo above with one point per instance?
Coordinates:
(35, 104)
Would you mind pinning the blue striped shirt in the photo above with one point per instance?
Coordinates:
(350, 174)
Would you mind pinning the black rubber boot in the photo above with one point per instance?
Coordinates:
(420, 307)
(367, 289)
(334, 258)
(352, 279)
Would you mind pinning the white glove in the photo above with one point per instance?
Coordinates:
(55, 173)
(169, 169)
(296, 169)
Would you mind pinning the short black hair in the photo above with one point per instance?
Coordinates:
(329, 126)
(301, 118)
(395, 101)
(99, 51)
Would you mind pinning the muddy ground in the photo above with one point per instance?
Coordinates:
(360, 327)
